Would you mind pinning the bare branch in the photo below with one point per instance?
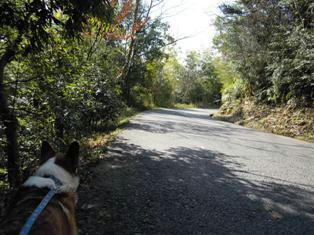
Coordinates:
(179, 39)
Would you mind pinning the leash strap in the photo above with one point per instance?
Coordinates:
(31, 220)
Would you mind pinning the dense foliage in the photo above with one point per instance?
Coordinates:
(269, 45)
(198, 83)
(26, 28)
(69, 68)
(193, 82)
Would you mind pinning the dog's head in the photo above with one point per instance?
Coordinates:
(63, 167)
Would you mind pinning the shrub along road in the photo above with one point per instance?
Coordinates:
(175, 171)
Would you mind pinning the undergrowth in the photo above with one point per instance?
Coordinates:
(288, 120)
(92, 150)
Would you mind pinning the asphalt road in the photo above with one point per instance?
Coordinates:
(175, 171)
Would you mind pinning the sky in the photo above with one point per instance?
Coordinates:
(193, 18)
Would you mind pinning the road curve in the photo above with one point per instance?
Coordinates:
(175, 171)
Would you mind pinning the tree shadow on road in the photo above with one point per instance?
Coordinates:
(232, 135)
(187, 191)
(190, 113)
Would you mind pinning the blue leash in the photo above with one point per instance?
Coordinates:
(31, 220)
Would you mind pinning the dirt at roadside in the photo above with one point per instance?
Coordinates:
(287, 120)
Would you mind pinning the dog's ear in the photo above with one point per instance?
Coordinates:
(72, 156)
(46, 152)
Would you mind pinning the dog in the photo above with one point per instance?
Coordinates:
(58, 217)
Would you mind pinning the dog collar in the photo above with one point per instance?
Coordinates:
(31, 220)
(58, 182)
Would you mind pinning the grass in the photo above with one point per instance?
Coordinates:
(295, 122)
(102, 138)
(95, 146)
(185, 106)
(93, 149)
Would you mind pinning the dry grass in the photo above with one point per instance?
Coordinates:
(185, 106)
(283, 120)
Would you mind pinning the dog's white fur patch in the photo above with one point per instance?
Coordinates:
(39, 182)
(69, 182)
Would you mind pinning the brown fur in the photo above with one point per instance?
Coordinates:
(57, 218)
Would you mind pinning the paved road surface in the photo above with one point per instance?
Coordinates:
(175, 171)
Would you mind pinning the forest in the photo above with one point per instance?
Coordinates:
(69, 69)
(269, 44)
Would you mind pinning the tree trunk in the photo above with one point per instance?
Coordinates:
(10, 123)
(126, 87)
